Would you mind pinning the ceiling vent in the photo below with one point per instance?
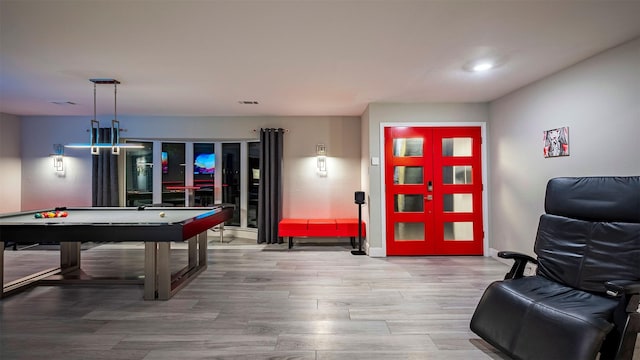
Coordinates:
(63, 102)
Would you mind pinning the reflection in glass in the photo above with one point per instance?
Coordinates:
(407, 175)
(231, 179)
(204, 168)
(408, 203)
(139, 175)
(253, 183)
(458, 231)
(407, 147)
(456, 147)
(458, 203)
(173, 164)
(408, 231)
(456, 175)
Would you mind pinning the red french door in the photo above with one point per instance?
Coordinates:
(433, 191)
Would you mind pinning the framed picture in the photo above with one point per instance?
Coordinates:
(556, 142)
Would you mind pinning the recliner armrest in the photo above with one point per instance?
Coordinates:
(520, 263)
(619, 287)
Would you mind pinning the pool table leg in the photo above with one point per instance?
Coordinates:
(164, 271)
(150, 275)
(202, 248)
(193, 252)
(69, 256)
(157, 272)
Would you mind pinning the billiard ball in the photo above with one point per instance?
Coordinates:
(38, 215)
(162, 214)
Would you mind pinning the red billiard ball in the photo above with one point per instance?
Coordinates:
(64, 214)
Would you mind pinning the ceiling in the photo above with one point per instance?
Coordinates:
(295, 58)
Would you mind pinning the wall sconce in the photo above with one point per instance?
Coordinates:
(58, 155)
(321, 154)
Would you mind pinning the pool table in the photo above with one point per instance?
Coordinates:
(157, 227)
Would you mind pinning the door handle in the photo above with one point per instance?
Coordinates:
(429, 186)
(428, 197)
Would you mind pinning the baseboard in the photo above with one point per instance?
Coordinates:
(376, 252)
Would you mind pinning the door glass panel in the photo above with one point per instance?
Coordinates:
(409, 231)
(408, 203)
(407, 175)
(458, 231)
(456, 147)
(458, 203)
(139, 165)
(173, 164)
(231, 179)
(407, 147)
(204, 168)
(254, 182)
(456, 174)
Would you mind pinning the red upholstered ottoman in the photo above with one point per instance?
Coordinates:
(322, 227)
(292, 227)
(319, 228)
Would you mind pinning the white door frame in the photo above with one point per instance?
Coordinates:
(485, 188)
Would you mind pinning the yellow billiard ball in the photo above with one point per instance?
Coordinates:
(162, 214)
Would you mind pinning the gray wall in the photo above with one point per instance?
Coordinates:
(305, 193)
(420, 114)
(599, 100)
(10, 163)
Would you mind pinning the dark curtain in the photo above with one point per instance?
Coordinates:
(270, 189)
(105, 174)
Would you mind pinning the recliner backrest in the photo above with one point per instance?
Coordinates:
(590, 232)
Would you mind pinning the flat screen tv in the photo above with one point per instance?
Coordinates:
(204, 164)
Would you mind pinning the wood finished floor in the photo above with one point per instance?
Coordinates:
(254, 302)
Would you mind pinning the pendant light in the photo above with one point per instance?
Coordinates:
(95, 143)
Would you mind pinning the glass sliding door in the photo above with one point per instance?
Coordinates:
(204, 169)
(188, 173)
(173, 174)
(139, 175)
(231, 179)
(253, 172)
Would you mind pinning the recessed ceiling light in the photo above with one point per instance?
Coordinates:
(483, 63)
(482, 66)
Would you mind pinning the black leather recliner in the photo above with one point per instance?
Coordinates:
(584, 296)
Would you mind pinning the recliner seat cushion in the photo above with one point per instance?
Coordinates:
(521, 316)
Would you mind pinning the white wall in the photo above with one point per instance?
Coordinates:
(599, 100)
(10, 164)
(42, 186)
(305, 193)
(404, 113)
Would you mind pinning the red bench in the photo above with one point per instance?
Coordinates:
(319, 227)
